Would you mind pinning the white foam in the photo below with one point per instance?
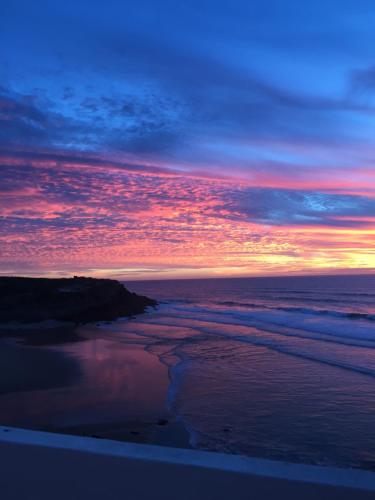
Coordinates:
(338, 327)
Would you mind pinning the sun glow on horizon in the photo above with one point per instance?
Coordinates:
(60, 219)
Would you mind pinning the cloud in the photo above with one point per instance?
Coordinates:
(165, 84)
(59, 215)
(135, 124)
(283, 207)
(22, 123)
(167, 207)
(363, 80)
(187, 134)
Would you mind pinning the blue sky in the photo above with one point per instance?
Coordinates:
(273, 99)
(198, 82)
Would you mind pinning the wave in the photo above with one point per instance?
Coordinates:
(268, 320)
(270, 329)
(337, 293)
(322, 298)
(231, 303)
(303, 310)
(176, 348)
(364, 370)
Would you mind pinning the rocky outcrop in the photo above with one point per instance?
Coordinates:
(78, 299)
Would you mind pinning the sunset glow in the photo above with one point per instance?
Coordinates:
(68, 218)
(138, 155)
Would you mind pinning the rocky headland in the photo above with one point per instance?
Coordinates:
(78, 300)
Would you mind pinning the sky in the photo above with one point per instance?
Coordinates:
(164, 139)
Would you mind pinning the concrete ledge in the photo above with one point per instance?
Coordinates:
(44, 463)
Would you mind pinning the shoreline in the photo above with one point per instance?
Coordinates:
(52, 360)
(161, 432)
(114, 404)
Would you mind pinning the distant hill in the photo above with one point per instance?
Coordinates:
(78, 299)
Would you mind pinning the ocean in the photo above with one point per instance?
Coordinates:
(282, 368)
(273, 367)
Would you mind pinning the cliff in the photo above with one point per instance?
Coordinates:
(79, 300)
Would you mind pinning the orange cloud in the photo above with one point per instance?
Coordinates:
(64, 217)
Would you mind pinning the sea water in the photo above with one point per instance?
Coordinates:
(274, 367)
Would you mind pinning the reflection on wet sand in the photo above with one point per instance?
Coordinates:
(120, 393)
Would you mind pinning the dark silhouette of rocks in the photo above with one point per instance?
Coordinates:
(78, 300)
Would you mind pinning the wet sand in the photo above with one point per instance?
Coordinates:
(26, 369)
(86, 382)
(160, 432)
(41, 335)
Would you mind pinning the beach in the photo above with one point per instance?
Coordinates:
(81, 382)
(279, 370)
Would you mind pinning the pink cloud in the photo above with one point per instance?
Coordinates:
(64, 216)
